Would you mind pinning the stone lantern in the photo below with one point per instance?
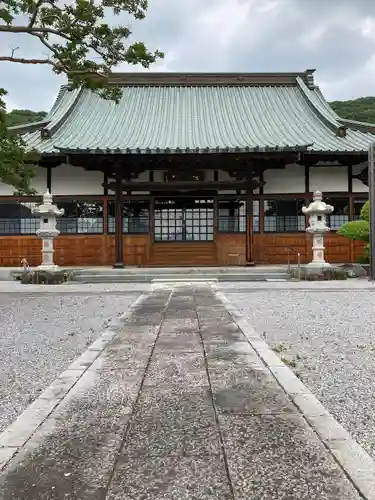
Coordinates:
(47, 231)
(317, 212)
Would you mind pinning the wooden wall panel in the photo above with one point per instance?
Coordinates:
(273, 248)
(136, 249)
(231, 249)
(82, 250)
(358, 250)
(75, 250)
(338, 249)
(14, 248)
(189, 253)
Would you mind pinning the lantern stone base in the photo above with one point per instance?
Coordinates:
(44, 277)
(319, 273)
(319, 264)
(48, 267)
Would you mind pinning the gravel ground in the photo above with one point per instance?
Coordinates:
(41, 335)
(330, 337)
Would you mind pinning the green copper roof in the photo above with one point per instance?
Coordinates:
(157, 118)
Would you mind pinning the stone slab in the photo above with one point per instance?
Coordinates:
(58, 462)
(280, 457)
(186, 404)
(182, 370)
(170, 478)
(260, 397)
(155, 436)
(6, 454)
(179, 342)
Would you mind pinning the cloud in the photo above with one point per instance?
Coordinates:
(337, 37)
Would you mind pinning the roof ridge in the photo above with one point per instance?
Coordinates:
(33, 126)
(329, 121)
(67, 112)
(29, 127)
(58, 98)
(210, 78)
(352, 124)
(356, 125)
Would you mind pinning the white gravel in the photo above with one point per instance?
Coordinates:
(41, 335)
(331, 337)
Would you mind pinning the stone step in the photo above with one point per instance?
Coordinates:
(184, 280)
(157, 271)
(121, 277)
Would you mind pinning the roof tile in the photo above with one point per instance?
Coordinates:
(172, 118)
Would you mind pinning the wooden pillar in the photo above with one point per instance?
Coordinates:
(119, 263)
(249, 231)
(351, 217)
(216, 215)
(49, 178)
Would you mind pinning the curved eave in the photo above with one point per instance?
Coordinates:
(361, 126)
(198, 120)
(315, 104)
(29, 127)
(59, 109)
(256, 149)
(364, 127)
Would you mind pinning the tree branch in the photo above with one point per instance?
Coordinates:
(35, 13)
(26, 61)
(54, 52)
(32, 30)
(48, 31)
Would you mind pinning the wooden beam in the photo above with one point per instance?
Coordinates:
(350, 178)
(119, 264)
(249, 231)
(173, 186)
(307, 178)
(49, 178)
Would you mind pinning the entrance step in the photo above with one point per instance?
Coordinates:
(184, 280)
(171, 275)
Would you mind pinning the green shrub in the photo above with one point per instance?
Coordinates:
(355, 230)
(359, 230)
(365, 212)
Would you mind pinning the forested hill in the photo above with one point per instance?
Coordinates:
(22, 116)
(362, 109)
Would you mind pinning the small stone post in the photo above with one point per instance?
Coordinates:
(317, 212)
(47, 231)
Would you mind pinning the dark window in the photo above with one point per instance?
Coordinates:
(357, 207)
(135, 217)
(340, 214)
(16, 218)
(80, 217)
(256, 216)
(232, 216)
(284, 216)
(184, 220)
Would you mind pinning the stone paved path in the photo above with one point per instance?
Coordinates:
(177, 407)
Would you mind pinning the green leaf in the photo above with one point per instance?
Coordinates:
(77, 41)
(365, 212)
(355, 230)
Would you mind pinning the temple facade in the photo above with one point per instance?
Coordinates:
(190, 169)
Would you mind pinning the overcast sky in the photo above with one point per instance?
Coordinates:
(337, 37)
